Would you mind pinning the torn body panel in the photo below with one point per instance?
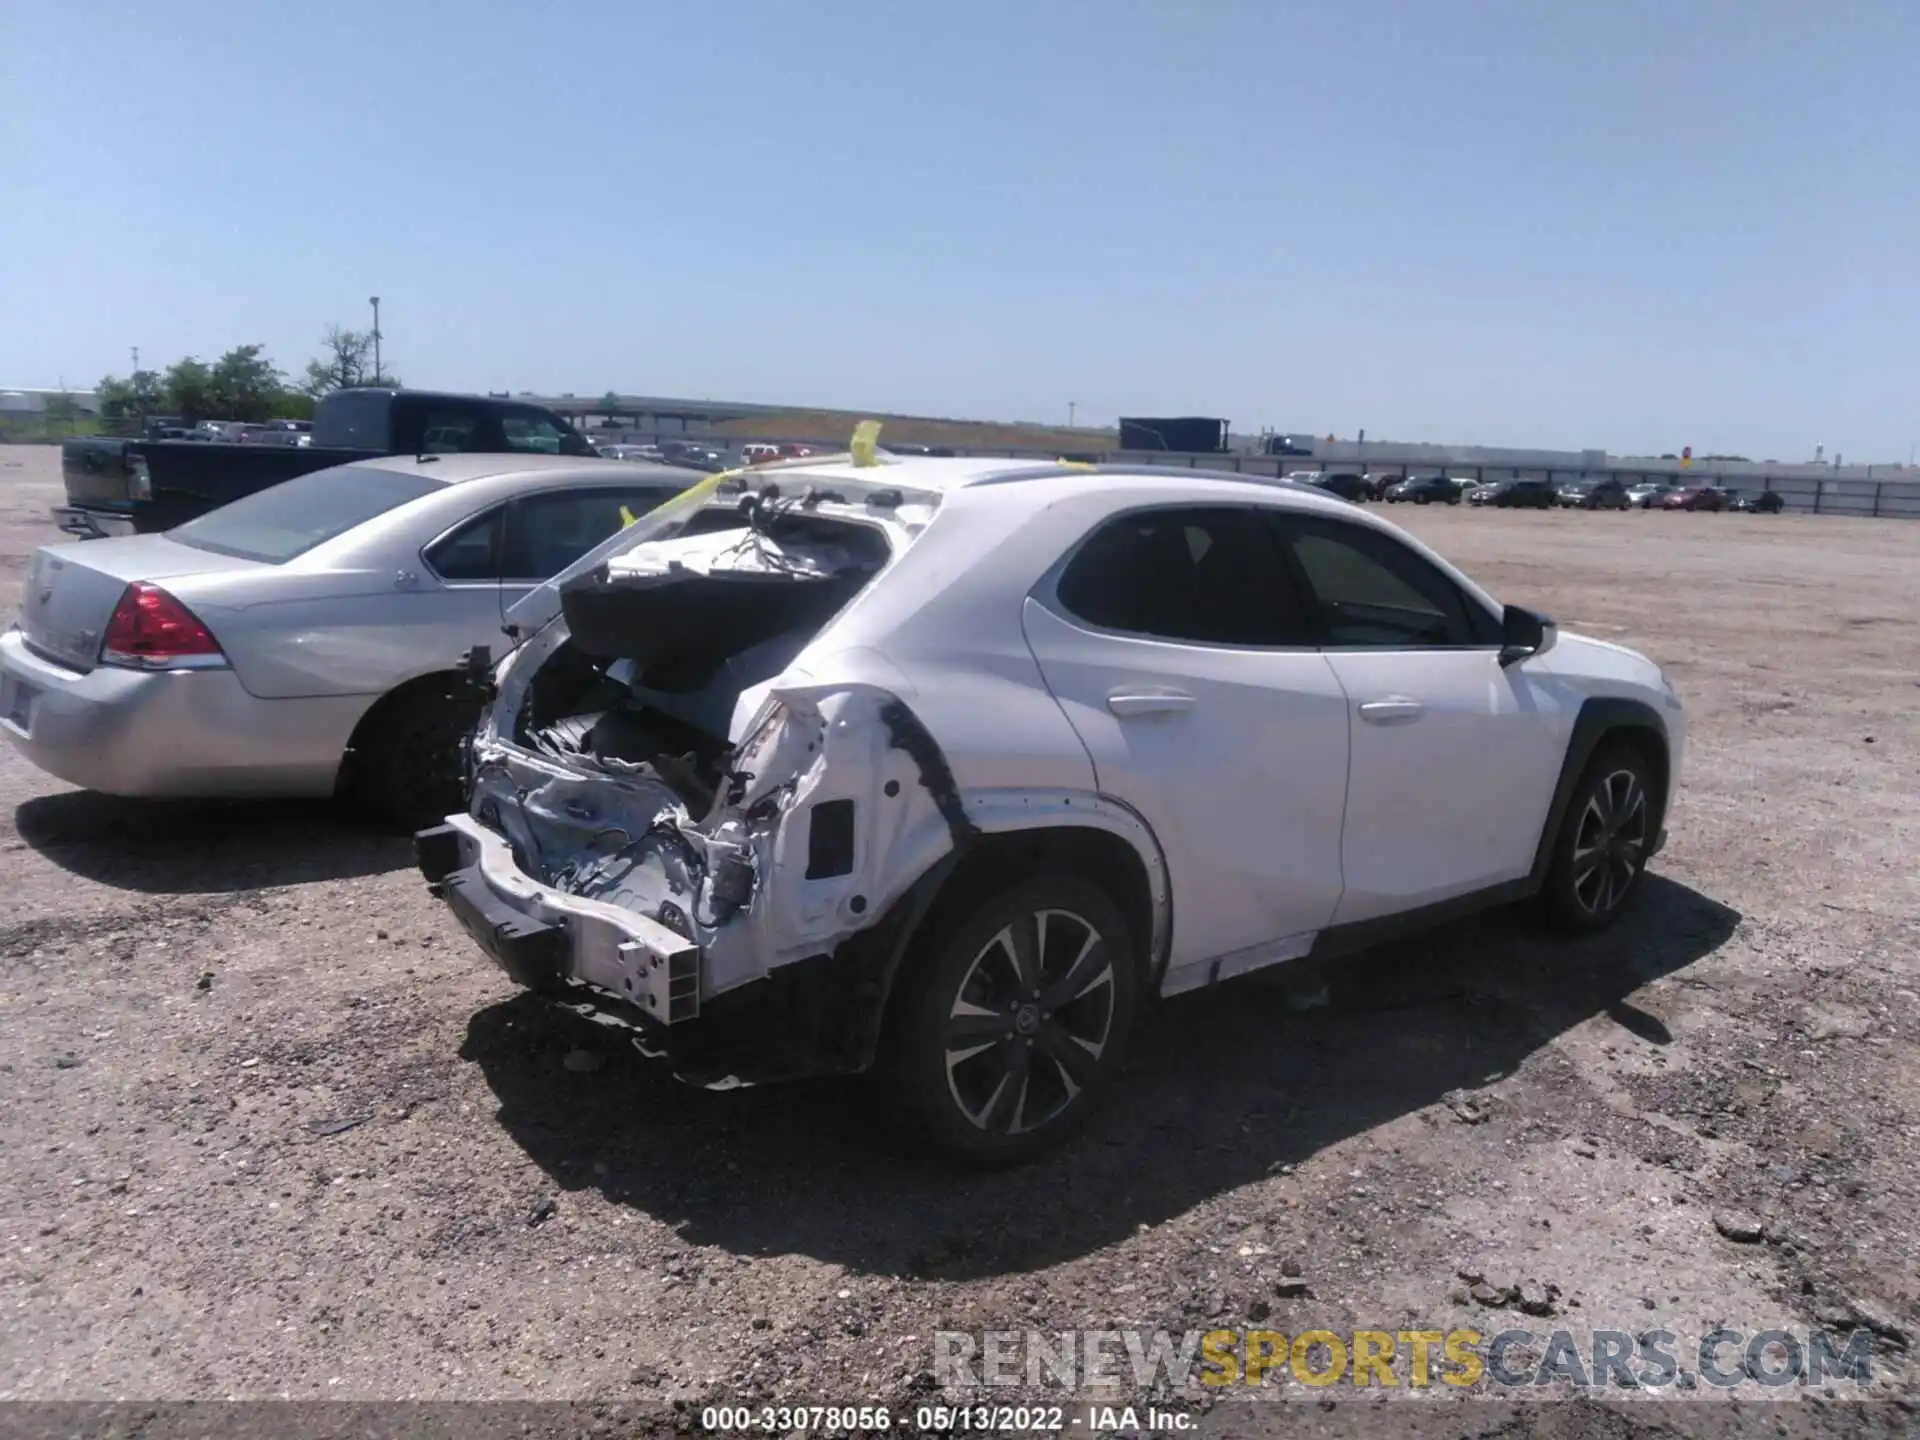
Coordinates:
(662, 912)
(742, 881)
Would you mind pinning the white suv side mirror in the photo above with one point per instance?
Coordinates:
(1525, 633)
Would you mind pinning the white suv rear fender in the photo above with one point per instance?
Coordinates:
(863, 746)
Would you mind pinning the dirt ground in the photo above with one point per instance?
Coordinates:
(271, 1126)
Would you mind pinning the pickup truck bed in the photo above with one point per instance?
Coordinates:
(125, 487)
(185, 478)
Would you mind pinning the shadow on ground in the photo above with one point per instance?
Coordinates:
(177, 847)
(1221, 1088)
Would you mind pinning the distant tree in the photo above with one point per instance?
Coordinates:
(609, 403)
(149, 395)
(115, 396)
(347, 361)
(61, 409)
(141, 393)
(244, 384)
(188, 387)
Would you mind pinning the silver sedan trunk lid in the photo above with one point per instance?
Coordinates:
(71, 590)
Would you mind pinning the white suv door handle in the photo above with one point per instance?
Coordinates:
(1148, 702)
(1396, 710)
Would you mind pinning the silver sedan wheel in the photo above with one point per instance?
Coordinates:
(1611, 845)
(1030, 1021)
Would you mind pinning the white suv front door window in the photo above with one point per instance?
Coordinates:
(1454, 756)
(1181, 652)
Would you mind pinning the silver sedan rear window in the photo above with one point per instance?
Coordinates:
(286, 520)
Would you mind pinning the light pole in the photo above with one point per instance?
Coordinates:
(379, 375)
(1072, 405)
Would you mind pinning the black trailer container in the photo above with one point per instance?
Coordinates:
(1186, 433)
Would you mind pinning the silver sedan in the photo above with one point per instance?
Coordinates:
(307, 639)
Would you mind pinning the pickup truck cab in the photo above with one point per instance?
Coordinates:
(127, 487)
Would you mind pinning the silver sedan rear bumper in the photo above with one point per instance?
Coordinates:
(185, 733)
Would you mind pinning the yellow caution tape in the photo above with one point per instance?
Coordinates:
(694, 496)
(1066, 464)
(866, 441)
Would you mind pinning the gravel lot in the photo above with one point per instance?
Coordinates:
(269, 1125)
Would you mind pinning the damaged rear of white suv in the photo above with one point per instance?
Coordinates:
(948, 764)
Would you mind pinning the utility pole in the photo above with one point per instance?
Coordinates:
(136, 359)
(1072, 405)
(379, 375)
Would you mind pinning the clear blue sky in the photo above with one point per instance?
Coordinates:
(1615, 223)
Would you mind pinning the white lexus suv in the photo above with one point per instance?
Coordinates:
(948, 766)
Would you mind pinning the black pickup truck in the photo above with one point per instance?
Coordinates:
(126, 487)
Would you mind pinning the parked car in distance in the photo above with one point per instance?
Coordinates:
(1692, 497)
(767, 762)
(1607, 493)
(271, 432)
(286, 432)
(1425, 490)
(1380, 481)
(764, 452)
(306, 639)
(126, 487)
(694, 454)
(1648, 493)
(1345, 483)
(1767, 502)
(650, 454)
(1514, 494)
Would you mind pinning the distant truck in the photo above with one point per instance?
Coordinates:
(1294, 445)
(1188, 434)
(128, 487)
